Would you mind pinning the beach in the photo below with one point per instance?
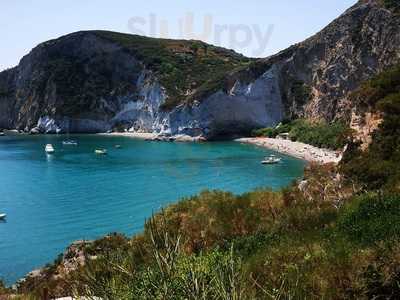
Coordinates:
(296, 149)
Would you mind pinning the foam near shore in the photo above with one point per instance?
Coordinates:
(296, 149)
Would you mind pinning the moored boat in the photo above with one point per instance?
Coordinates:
(270, 160)
(101, 151)
(3, 216)
(70, 143)
(49, 149)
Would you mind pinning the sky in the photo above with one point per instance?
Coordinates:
(256, 28)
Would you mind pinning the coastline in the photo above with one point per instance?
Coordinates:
(296, 149)
(156, 136)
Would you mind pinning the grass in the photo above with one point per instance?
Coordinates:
(292, 244)
(372, 218)
(321, 242)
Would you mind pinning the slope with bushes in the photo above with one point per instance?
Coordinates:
(321, 134)
(380, 164)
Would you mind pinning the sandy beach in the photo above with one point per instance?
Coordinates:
(296, 149)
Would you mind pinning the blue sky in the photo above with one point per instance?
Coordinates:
(253, 27)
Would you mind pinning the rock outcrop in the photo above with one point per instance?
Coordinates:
(98, 81)
(317, 75)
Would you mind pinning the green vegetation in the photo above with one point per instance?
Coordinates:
(392, 5)
(380, 164)
(331, 237)
(372, 218)
(181, 65)
(301, 92)
(320, 134)
(321, 242)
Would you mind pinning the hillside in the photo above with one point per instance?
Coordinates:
(316, 76)
(97, 81)
(91, 77)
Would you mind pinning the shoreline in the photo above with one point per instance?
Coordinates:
(156, 136)
(296, 149)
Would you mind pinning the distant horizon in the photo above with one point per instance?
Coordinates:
(237, 26)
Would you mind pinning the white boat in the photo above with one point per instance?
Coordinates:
(2, 134)
(3, 216)
(101, 151)
(49, 149)
(270, 160)
(70, 143)
(118, 146)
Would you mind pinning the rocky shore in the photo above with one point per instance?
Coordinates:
(157, 137)
(296, 149)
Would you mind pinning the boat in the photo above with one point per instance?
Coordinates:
(49, 149)
(70, 143)
(101, 151)
(2, 134)
(3, 216)
(118, 146)
(270, 160)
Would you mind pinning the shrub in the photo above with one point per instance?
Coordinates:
(372, 218)
(319, 134)
(181, 66)
(379, 166)
(392, 5)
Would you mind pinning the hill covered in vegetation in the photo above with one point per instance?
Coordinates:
(187, 69)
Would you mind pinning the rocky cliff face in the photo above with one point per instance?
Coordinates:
(317, 75)
(99, 81)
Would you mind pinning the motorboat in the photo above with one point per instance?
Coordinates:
(118, 146)
(270, 160)
(70, 143)
(49, 149)
(100, 151)
(2, 133)
(3, 216)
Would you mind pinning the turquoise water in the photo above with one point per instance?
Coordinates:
(74, 194)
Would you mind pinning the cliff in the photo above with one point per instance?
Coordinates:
(96, 81)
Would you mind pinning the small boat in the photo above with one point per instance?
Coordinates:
(2, 134)
(3, 216)
(70, 143)
(118, 146)
(270, 160)
(101, 151)
(49, 149)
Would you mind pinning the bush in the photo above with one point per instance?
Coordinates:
(393, 5)
(379, 166)
(320, 134)
(259, 245)
(372, 218)
(181, 66)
